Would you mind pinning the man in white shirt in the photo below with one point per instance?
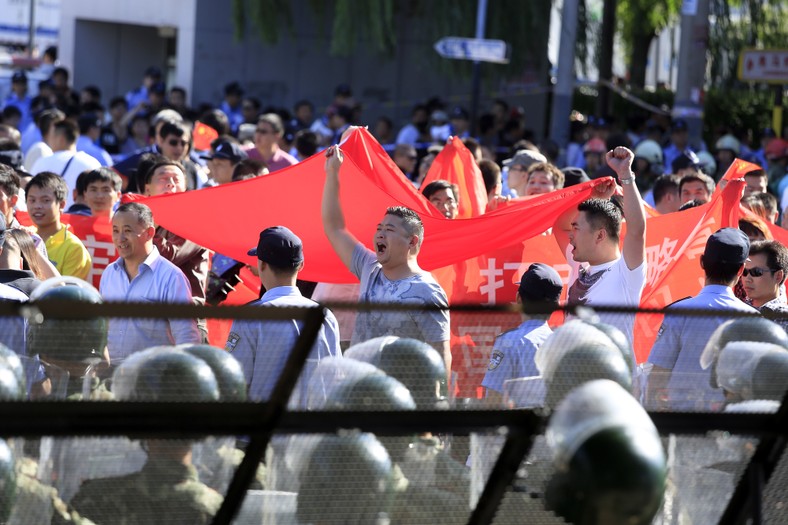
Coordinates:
(66, 161)
(602, 272)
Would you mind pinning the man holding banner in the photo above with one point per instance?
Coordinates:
(602, 272)
(390, 274)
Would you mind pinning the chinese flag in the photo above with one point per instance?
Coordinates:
(203, 135)
(455, 164)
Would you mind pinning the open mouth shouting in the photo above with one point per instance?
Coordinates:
(380, 248)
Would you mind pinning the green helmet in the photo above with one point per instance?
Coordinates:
(7, 482)
(755, 329)
(348, 480)
(609, 464)
(167, 375)
(564, 338)
(582, 363)
(414, 363)
(10, 360)
(770, 377)
(226, 368)
(67, 340)
(620, 340)
(371, 392)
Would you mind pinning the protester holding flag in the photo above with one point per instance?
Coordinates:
(389, 274)
(602, 273)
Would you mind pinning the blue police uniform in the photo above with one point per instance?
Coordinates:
(513, 353)
(262, 347)
(680, 342)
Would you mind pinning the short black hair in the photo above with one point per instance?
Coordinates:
(68, 130)
(698, 177)
(48, 117)
(160, 163)
(93, 91)
(603, 214)
(143, 213)
(437, 185)
(9, 181)
(46, 180)
(306, 143)
(664, 185)
(410, 219)
(172, 128)
(491, 173)
(248, 169)
(118, 101)
(216, 119)
(720, 273)
(103, 174)
(776, 255)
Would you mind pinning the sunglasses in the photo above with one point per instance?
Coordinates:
(177, 142)
(756, 272)
(263, 131)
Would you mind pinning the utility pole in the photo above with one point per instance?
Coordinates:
(692, 67)
(481, 22)
(606, 56)
(31, 34)
(565, 81)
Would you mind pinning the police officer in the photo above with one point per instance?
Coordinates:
(348, 479)
(609, 464)
(77, 346)
(263, 347)
(166, 490)
(513, 352)
(677, 380)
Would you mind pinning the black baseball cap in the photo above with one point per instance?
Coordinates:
(459, 113)
(229, 151)
(279, 247)
(540, 283)
(153, 72)
(679, 125)
(728, 246)
(159, 88)
(18, 76)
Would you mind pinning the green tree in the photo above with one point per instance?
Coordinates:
(377, 25)
(639, 22)
(740, 24)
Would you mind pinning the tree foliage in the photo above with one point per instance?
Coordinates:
(740, 24)
(639, 22)
(379, 25)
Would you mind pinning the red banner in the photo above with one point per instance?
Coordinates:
(455, 164)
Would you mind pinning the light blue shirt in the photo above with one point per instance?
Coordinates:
(30, 135)
(98, 153)
(680, 342)
(158, 281)
(262, 347)
(512, 355)
(24, 107)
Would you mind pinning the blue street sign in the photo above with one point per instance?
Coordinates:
(477, 49)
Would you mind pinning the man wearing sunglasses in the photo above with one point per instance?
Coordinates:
(270, 130)
(677, 381)
(763, 278)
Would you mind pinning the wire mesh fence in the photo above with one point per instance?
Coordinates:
(292, 421)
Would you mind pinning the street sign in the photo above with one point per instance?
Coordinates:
(764, 65)
(476, 49)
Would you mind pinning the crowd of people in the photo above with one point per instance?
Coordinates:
(66, 152)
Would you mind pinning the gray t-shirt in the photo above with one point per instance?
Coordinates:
(421, 289)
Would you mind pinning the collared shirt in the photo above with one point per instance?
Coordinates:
(86, 145)
(680, 342)
(512, 355)
(68, 254)
(262, 347)
(158, 281)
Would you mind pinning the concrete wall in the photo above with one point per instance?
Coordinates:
(109, 44)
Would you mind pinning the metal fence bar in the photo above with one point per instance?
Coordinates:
(746, 499)
(515, 449)
(276, 406)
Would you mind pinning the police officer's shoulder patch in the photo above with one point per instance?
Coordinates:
(661, 330)
(495, 359)
(232, 341)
